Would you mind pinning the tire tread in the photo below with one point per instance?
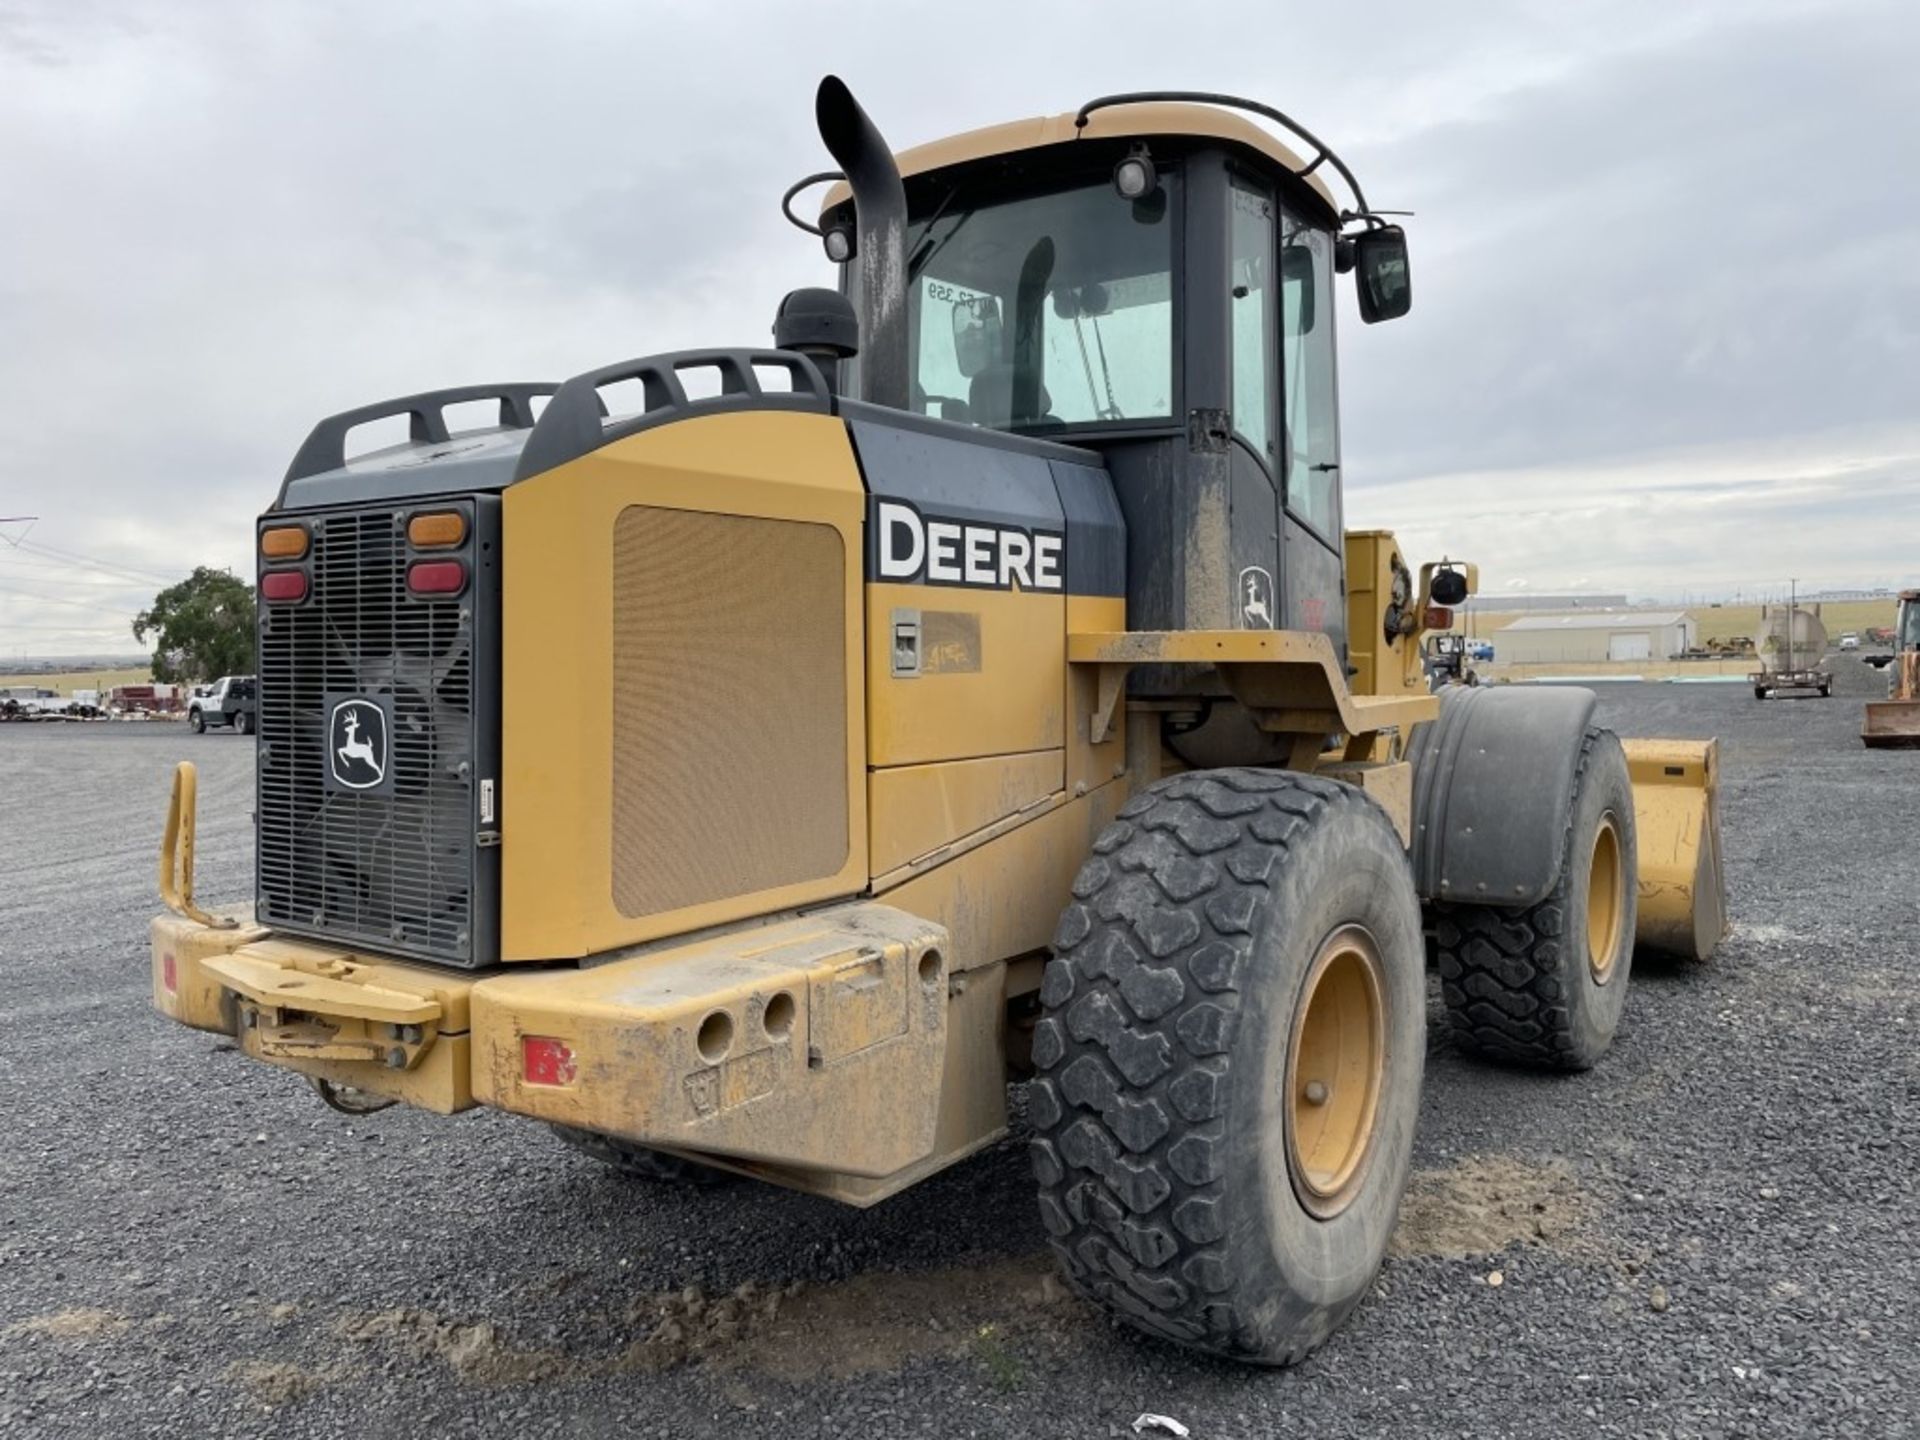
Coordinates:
(1134, 1056)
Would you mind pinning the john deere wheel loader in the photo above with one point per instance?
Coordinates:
(1894, 723)
(754, 774)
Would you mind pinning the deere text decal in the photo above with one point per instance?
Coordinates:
(911, 547)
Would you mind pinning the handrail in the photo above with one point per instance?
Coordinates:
(1323, 153)
(575, 424)
(325, 448)
(176, 851)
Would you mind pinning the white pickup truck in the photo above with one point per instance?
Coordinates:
(226, 701)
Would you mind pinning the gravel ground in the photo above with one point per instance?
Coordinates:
(1710, 1234)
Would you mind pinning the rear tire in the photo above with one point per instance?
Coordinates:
(1229, 1066)
(244, 724)
(1545, 985)
(632, 1159)
(1759, 692)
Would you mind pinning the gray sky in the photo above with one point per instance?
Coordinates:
(1667, 255)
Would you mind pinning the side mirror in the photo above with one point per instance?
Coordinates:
(976, 334)
(1296, 283)
(1380, 273)
(1449, 587)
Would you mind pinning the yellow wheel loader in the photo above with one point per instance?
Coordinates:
(1894, 723)
(750, 760)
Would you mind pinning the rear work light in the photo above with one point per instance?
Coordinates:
(438, 531)
(283, 587)
(284, 542)
(436, 577)
(546, 1061)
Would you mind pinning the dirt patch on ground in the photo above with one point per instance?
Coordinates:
(71, 1325)
(873, 1323)
(1485, 1203)
(274, 1385)
(476, 1353)
(799, 1333)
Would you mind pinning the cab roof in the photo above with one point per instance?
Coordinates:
(1117, 122)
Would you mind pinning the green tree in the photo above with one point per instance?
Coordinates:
(202, 628)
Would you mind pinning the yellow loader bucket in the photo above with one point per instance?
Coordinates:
(1890, 724)
(1676, 814)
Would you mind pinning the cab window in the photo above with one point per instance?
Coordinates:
(1044, 310)
(1251, 259)
(1309, 399)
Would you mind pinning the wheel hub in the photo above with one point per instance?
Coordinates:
(1606, 901)
(1336, 1061)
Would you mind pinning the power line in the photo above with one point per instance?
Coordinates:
(64, 600)
(109, 567)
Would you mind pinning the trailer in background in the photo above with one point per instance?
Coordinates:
(1791, 645)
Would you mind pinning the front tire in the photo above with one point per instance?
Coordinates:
(197, 722)
(1545, 985)
(1229, 1066)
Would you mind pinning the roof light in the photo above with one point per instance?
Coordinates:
(839, 243)
(1134, 177)
(436, 577)
(284, 542)
(283, 587)
(437, 531)
(546, 1061)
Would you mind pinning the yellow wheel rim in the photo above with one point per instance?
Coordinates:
(1606, 901)
(1336, 1065)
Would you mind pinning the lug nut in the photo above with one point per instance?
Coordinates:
(1316, 1093)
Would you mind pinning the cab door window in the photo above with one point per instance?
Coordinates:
(1309, 393)
(1251, 260)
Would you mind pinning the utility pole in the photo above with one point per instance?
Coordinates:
(1793, 600)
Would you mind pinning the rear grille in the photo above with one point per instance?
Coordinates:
(395, 866)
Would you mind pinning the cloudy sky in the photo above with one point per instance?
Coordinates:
(1666, 336)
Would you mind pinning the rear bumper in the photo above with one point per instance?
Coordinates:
(390, 1029)
(816, 1043)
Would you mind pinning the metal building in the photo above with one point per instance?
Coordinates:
(1623, 635)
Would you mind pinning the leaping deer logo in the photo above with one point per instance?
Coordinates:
(359, 761)
(1256, 597)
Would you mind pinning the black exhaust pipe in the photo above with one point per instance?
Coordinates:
(880, 212)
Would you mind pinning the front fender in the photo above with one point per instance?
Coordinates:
(1492, 792)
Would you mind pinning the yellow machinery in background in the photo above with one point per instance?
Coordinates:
(1894, 723)
(750, 760)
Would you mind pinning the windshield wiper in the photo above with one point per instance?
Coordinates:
(916, 261)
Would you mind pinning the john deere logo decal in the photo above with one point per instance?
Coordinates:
(1256, 598)
(357, 744)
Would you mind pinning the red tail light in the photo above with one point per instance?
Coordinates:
(169, 973)
(282, 587)
(1439, 617)
(437, 577)
(546, 1061)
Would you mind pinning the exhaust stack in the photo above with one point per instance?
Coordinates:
(880, 212)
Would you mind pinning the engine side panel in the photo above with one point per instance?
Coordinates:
(625, 662)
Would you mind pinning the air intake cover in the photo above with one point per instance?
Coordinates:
(729, 707)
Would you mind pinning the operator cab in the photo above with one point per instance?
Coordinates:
(1150, 279)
